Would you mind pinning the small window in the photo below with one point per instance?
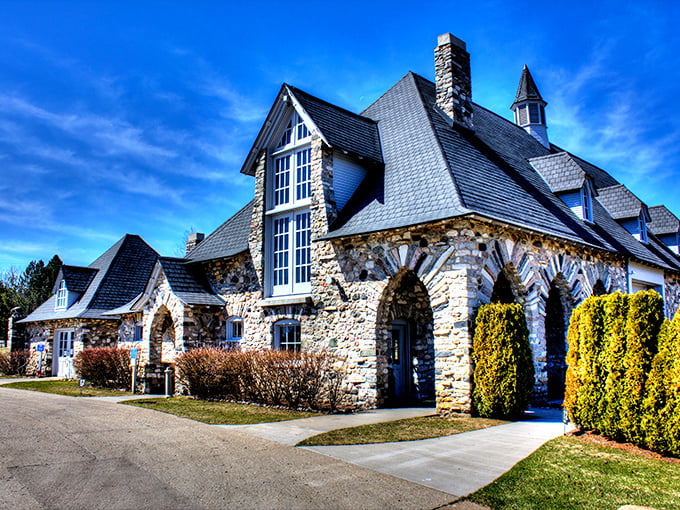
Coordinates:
(587, 200)
(234, 332)
(62, 296)
(287, 335)
(643, 227)
(522, 115)
(139, 331)
(533, 113)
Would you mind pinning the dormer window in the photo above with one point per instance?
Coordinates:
(62, 296)
(587, 201)
(532, 113)
(289, 196)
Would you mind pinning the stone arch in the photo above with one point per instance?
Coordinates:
(594, 273)
(513, 261)
(405, 309)
(559, 304)
(162, 336)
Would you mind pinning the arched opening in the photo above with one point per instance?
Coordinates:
(405, 342)
(558, 308)
(161, 344)
(599, 289)
(502, 290)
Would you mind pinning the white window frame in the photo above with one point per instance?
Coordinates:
(541, 114)
(642, 225)
(61, 301)
(234, 327)
(288, 198)
(139, 332)
(286, 344)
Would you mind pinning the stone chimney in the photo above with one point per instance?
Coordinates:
(454, 88)
(193, 240)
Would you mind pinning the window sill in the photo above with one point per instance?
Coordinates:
(299, 299)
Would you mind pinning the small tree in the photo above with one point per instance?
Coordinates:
(504, 370)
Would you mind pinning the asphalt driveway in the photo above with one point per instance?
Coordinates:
(64, 452)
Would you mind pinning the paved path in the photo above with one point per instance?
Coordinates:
(293, 431)
(80, 453)
(458, 464)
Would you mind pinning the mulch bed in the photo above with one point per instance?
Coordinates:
(592, 437)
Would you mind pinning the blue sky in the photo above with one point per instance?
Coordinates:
(136, 116)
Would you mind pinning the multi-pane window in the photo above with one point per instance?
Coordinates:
(289, 221)
(139, 330)
(287, 335)
(642, 223)
(291, 264)
(234, 332)
(62, 296)
(532, 113)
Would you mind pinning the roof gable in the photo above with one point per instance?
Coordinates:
(621, 203)
(560, 171)
(339, 128)
(77, 278)
(227, 240)
(663, 221)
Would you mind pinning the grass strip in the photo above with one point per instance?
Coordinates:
(407, 429)
(569, 473)
(222, 413)
(68, 388)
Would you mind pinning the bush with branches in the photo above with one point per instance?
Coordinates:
(14, 362)
(105, 367)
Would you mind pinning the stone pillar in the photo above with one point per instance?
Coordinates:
(454, 87)
(15, 340)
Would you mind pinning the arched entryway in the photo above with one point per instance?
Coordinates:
(599, 288)
(405, 342)
(161, 340)
(508, 287)
(558, 307)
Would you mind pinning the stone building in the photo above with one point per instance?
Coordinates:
(378, 235)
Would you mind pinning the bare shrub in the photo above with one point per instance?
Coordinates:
(105, 367)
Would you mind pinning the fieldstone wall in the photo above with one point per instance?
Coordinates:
(672, 294)
(87, 334)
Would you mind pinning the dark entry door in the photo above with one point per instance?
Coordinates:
(401, 361)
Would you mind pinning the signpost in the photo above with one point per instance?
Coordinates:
(133, 362)
(41, 349)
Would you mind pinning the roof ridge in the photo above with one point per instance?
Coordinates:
(358, 115)
(458, 198)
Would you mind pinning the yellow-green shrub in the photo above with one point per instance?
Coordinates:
(645, 315)
(658, 394)
(504, 370)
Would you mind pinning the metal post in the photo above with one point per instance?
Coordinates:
(168, 371)
(134, 376)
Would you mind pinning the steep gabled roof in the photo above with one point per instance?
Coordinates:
(338, 127)
(560, 171)
(663, 221)
(119, 274)
(436, 170)
(229, 239)
(621, 203)
(527, 89)
(77, 278)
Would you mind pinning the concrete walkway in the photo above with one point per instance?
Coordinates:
(458, 464)
(291, 432)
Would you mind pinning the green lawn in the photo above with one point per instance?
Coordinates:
(408, 429)
(569, 473)
(69, 388)
(223, 413)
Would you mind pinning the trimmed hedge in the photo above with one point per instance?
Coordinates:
(617, 383)
(504, 370)
(14, 362)
(104, 367)
(304, 379)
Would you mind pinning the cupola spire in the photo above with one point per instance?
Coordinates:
(529, 108)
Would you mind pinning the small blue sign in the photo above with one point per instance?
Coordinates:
(40, 347)
(133, 353)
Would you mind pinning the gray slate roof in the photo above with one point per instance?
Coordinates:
(663, 221)
(188, 282)
(229, 239)
(621, 203)
(77, 278)
(121, 274)
(342, 128)
(560, 171)
(527, 89)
